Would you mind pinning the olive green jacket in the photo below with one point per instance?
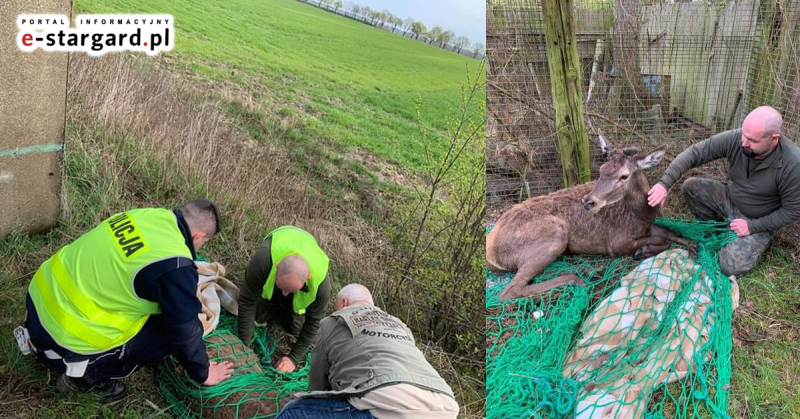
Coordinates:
(360, 348)
(769, 198)
(250, 297)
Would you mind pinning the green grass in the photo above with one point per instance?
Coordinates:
(766, 367)
(350, 84)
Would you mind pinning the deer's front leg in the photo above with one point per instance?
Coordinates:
(644, 246)
(690, 245)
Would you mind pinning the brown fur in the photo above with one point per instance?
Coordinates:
(258, 402)
(534, 233)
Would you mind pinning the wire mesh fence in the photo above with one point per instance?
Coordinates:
(652, 73)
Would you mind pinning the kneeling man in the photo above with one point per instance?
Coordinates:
(365, 365)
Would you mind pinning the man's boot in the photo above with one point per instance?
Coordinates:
(107, 391)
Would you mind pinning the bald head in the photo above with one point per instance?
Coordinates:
(353, 294)
(761, 132)
(292, 274)
(764, 120)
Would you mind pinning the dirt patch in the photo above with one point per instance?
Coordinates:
(789, 240)
(385, 170)
(509, 325)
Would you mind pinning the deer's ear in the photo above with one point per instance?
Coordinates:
(651, 159)
(605, 146)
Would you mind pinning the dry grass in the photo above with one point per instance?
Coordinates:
(174, 122)
(469, 388)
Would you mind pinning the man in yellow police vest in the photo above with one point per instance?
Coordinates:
(285, 281)
(121, 295)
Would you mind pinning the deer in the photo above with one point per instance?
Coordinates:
(609, 216)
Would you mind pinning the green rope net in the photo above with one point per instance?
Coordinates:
(642, 339)
(255, 389)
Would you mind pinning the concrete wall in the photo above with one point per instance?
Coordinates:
(32, 106)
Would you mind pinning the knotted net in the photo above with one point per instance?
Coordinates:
(255, 390)
(649, 339)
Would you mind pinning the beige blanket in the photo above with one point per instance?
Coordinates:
(215, 292)
(615, 385)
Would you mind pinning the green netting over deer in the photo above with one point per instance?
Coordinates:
(647, 339)
(255, 390)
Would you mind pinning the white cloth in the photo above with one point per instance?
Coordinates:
(626, 320)
(405, 401)
(215, 292)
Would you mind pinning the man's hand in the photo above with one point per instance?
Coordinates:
(739, 226)
(218, 372)
(285, 365)
(657, 195)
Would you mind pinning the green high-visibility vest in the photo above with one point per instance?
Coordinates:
(84, 294)
(293, 241)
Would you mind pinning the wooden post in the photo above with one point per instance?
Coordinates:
(565, 80)
(596, 65)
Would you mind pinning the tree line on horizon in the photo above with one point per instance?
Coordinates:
(436, 34)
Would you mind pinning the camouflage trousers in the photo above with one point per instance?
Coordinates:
(711, 200)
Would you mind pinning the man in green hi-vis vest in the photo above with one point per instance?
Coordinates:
(122, 295)
(285, 282)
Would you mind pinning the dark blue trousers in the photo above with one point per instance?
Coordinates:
(147, 346)
(309, 408)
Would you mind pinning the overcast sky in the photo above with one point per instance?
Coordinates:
(464, 17)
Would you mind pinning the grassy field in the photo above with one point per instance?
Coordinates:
(352, 86)
(281, 113)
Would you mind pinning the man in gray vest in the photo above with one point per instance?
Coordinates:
(764, 190)
(365, 365)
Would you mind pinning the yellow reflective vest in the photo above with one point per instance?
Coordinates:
(84, 294)
(294, 241)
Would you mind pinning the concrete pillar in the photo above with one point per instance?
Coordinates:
(33, 89)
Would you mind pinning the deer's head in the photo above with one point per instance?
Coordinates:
(618, 174)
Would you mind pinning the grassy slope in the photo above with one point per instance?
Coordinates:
(100, 177)
(353, 85)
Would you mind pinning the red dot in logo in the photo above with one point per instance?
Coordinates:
(145, 44)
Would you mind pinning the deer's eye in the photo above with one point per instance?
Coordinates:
(623, 177)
